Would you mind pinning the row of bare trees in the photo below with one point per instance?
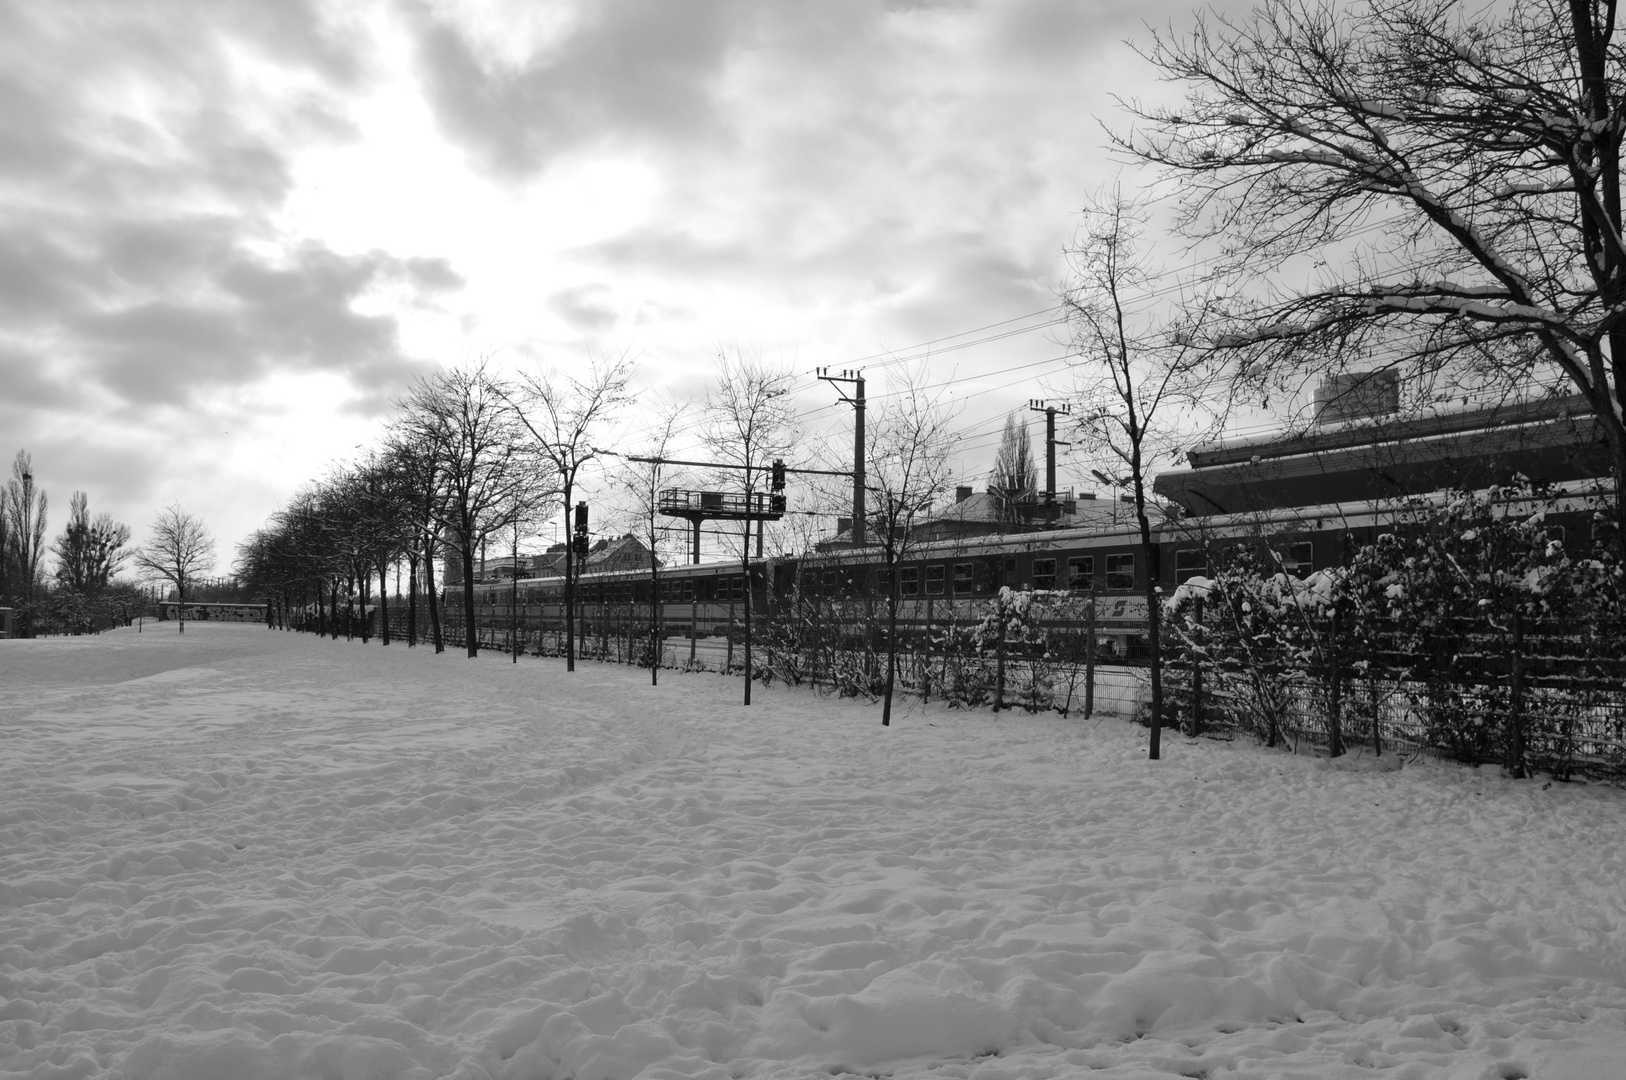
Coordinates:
(470, 458)
(1408, 184)
(473, 459)
(1416, 185)
(83, 592)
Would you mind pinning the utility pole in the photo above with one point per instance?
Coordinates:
(856, 378)
(1050, 443)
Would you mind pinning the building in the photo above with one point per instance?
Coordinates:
(1373, 453)
(624, 552)
(976, 513)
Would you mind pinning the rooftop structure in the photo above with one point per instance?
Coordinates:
(1383, 456)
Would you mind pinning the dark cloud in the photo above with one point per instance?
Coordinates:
(631, 69)
(584, 307)
(29, 385)
(663, 249)
(255, 318)
(140, 171)
(431, 275)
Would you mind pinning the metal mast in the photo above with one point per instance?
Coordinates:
(856, 400)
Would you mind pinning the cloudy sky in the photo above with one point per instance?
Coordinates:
(232, 231)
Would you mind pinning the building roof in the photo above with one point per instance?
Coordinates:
(1389, 457)
(609, 553)
(976, 513)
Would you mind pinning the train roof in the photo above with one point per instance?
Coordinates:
(1572, 495)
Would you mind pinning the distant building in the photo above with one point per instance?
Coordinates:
(976, 513)
(1360, 449)
(625, 552)
(8, 623)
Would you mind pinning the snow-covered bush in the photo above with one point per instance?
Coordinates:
(1469, 629)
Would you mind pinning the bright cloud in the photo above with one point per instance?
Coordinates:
(232, 233)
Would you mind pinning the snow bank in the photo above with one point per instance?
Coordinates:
(248, 854)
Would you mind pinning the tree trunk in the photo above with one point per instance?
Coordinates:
(383, 604)
(1153, 620)
(471, 638)
(570, 588)
(746, 561)
(891, 644)
(429, 590)
(412, 601)
(654, 615)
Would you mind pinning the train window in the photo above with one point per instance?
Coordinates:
(1189, 563)
(983, 577)
(1044, 573)
(736, 587)
(688, 590)
(1296, 557)
(964, 575)
(909, 580)
(831, 583)
(1120, 573)
(934, 579)
(1081, 573)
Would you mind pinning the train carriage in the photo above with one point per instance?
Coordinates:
(943, 583)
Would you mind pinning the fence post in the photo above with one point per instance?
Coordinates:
(1335, 719)
(999, 653)
(1089, 656)
(1197, 671)
(1515, 701)
(923, 657)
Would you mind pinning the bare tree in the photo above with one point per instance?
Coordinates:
(907, 472)
(1470, 158)
(561, 414)
(484, 469)
(641, 480)
(748, 423)
(179, 550)
(89, 553)
(412, 459)
(25, 509)
(1132, 373)
(1014, 480)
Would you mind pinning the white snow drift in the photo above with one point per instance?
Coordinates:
(245, 854)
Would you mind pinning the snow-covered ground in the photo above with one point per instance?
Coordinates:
(243, 854)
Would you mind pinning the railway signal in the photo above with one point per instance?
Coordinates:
(578, 543)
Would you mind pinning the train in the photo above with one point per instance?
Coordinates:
(950, 582)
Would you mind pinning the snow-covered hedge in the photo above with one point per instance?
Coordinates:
(1471, 630)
